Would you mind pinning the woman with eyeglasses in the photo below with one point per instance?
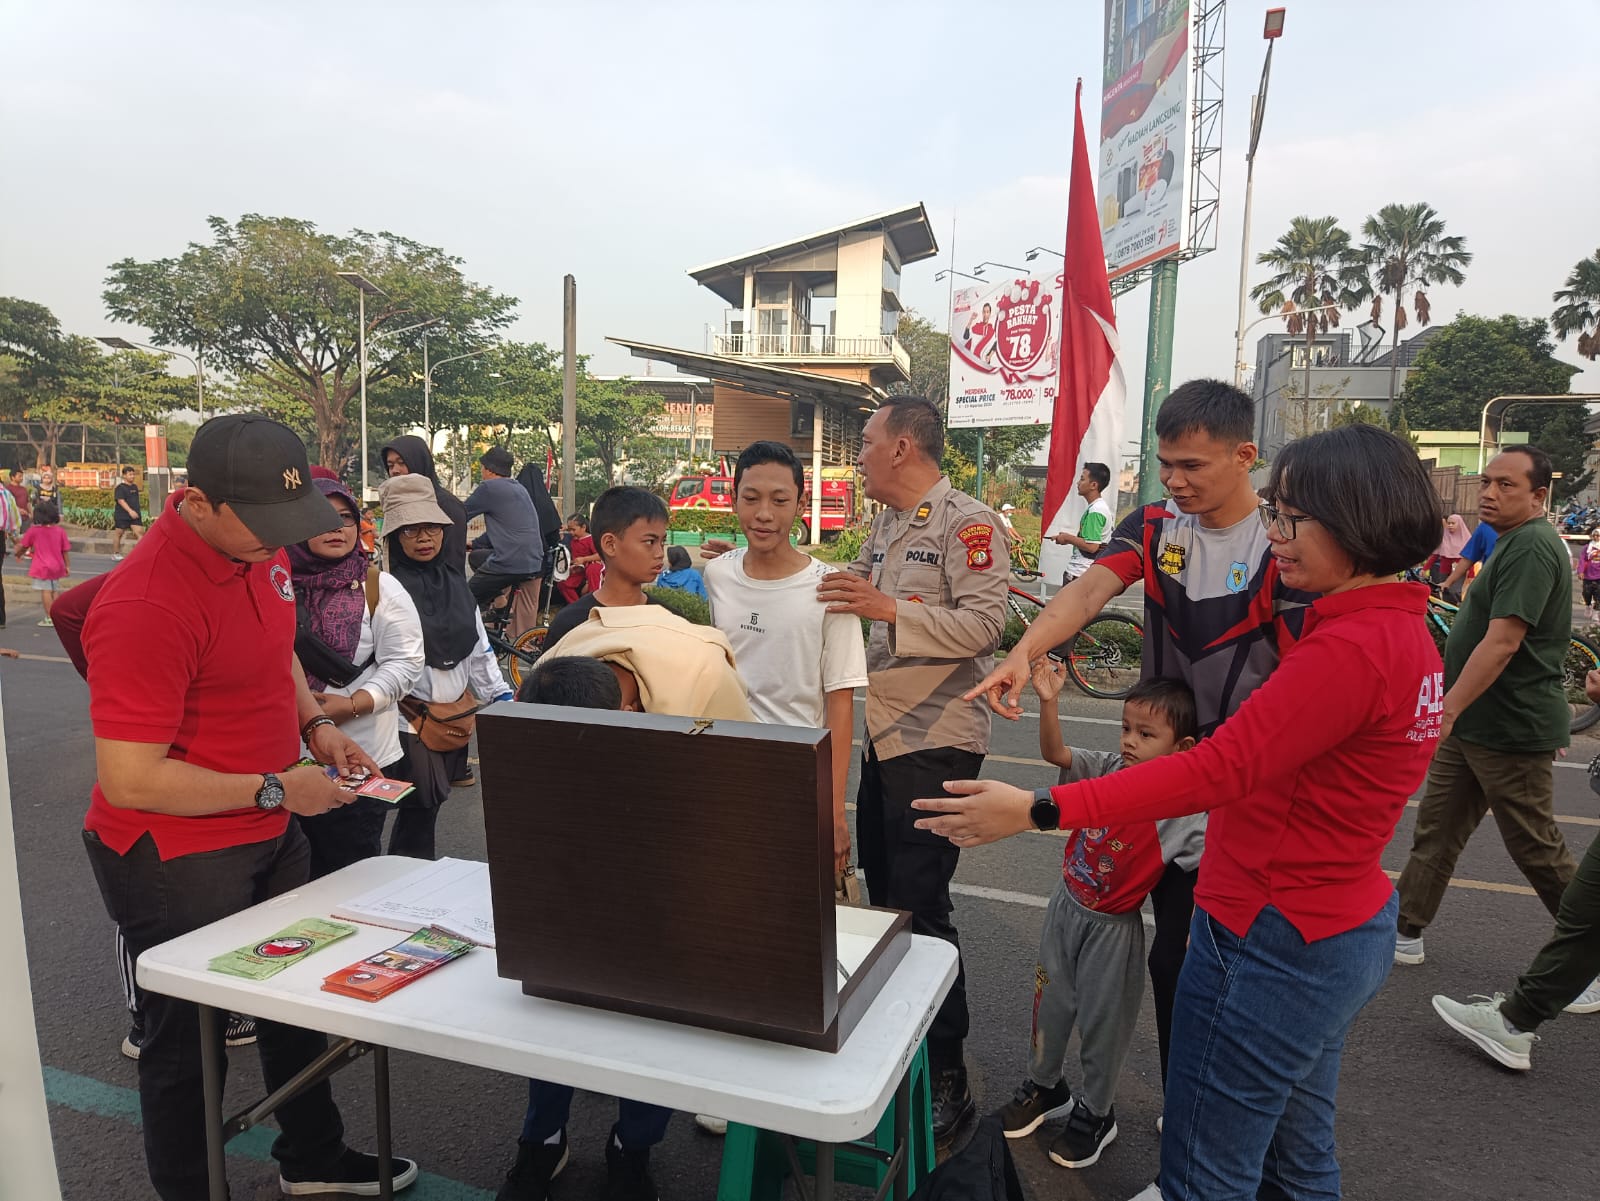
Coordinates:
(360, 642)
(461, 670)
(1293, 931)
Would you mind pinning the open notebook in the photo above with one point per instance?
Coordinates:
(452, 895)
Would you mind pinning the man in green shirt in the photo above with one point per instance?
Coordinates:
(1504, 707)
(1096, 524)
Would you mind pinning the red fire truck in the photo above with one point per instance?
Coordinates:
(839, 498)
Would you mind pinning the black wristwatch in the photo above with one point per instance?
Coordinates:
(270, 795)
(1046, 814)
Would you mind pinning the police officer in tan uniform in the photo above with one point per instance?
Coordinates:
(932, 580)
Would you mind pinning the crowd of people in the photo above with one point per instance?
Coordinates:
(1252, 828)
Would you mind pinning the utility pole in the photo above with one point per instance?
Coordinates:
(1157, 373)
(569, 391)
(1272, 31)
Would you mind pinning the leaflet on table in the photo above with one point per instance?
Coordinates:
(266, 958)
(376, 976)
(451, 895)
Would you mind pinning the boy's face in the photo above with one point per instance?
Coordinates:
(1203, 473)
(1147, 734)
(638, 553)
(766, 505)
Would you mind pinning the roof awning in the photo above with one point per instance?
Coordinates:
(782, 382)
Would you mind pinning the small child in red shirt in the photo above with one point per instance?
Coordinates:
(47, 550)
(1091, 952)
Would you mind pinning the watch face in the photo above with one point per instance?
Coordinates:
(270, 794)
(1046, 814)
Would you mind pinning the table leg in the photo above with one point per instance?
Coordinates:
(823, 1189)
(211, 1085)
(380, 1083)
(902, 1136)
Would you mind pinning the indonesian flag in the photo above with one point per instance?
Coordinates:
(1087, 426)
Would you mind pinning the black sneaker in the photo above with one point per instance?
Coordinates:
(467, 780)
(628, 1173)
(1032, 1105)
(133, 1044)
(952, 1103)
(354, 1172)
(240, 1031)
(537, 1165)
(1086, 1135)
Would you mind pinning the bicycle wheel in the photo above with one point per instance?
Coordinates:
(1105, 658)
(1582, 658)
(524, 653)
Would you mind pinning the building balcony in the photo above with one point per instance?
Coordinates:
(875, 348)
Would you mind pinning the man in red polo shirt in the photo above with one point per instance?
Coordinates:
(199, 707)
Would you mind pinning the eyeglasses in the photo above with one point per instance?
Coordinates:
(416, 531)
(348, 519)
(1287, 524)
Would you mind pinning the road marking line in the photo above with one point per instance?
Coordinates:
(44, 658)
(87, 1095)
(1007, 897)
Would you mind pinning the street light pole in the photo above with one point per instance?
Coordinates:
(1272, 31)
(363, 285)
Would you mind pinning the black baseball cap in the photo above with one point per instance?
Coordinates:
(258, 468)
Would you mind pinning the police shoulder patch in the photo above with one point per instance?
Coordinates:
(977, 538)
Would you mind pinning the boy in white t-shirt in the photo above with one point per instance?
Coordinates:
(801, 664)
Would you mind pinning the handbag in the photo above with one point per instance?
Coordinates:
(443, 725)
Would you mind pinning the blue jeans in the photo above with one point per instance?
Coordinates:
(639, 1127)
(1257, 1034)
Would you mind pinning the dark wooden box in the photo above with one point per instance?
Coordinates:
(658, 866)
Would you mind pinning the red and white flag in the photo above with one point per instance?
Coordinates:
(1091, 391)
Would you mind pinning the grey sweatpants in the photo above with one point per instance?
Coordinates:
(1090, 974)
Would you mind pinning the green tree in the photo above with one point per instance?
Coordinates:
(263, 298)
(1356, 414)
(1578, 307)
(1473, 360)
(929, 348)
(612, 416)
(1316, 273)
(1406, 247)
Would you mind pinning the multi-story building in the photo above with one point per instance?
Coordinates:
(806, 346)
(1339, 375)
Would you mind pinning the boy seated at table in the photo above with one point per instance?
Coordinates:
(1091, 951)
(664, 663)
(583, 683)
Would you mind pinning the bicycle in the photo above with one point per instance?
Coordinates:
(1104, 659)
(1024, 566)
(516, 656)
(1583, 656)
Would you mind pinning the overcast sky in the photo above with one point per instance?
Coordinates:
(628, 142)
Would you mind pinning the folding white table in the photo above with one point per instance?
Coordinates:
(464, 1012)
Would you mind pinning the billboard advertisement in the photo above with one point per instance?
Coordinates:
(1005, 352)
(1144, 131)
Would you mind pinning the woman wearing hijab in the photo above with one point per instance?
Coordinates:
(409, 455)
(360, 642)
(1443, 560)
(460, 665)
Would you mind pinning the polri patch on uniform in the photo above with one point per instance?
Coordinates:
(977, 538)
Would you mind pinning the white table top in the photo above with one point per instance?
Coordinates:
(465, 1012)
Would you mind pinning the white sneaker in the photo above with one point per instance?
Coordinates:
(1161, 1119)
(1408, 950)
(1482, 1024)
(1588, 1001)
(118, 558)
(710, 1124)
(1150, 1192)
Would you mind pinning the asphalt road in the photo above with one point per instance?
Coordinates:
(1421, 1114)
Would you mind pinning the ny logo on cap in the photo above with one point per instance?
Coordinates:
(291, 478)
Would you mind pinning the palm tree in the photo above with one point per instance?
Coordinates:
(1318, 274)
(1406, 247)
(1579, 310)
